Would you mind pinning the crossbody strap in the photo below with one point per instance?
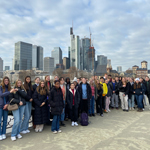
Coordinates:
(11, 100)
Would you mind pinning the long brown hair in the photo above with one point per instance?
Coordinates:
(40, 90)
(137, 86)
(98, 85)
(28, 85)
(124, 82)
(22, 87)
(3, 84)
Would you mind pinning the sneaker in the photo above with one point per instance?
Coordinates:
(101, 115)
(3, 136)
(28, 131)
(55, 132)
(62, 124)
(105, 111)
(108, 110)
(59, 131)
(76, 124)
(36, 130)
(13, 138)
(40, 130)
(23, 132)
(93, 115)
(127, 110)
(90, 115)
(124, 110)
(72, 124)
(143, 109)
(19, 136)
(132, 108)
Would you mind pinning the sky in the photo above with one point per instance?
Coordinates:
(120, 28)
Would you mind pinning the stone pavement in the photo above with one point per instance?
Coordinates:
(117, 130)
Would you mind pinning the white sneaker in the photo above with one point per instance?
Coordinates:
(19, 136)
(143, 109)
(28, 131)
(55, 132)
(59, 131)
(40, 130)
(36, 130)
(132, 108)
(13, 138)
(3, 136)
(108, 110)
(76, 124)
(72, 124)
(23, 132)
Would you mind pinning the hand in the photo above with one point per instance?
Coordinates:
(124, 85)
(113, 91)
(12, 90)
(124, 95)
(42, 104)
(97, 95)
(31, 100)
(21, 103)
(5, 107)
(16, 89)
(133, 92)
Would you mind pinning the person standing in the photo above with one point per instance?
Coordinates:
(73, 100)
(18, 97)
(85, 95)
(57, 104)
(28, 107)
(40, 100)
(147, 85)
(5, 90)
(124, 91)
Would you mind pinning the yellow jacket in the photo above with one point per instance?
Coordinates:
(105, 89)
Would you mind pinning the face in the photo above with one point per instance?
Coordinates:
(97, 81)
(106, 76)
(56, 78)
(95, 77)
(102, 80)
(68, 80)
(117, 78)
(113, 80)
(19, 84)
(57, 85)
(42, 84)
(130, 80)
(28, 80)
(147, 79)
(106, 81)
(62, 81)
(6, 81)
(75, 83)
(137, 81)
(72, 86)
(37, 81)
(78, 80)
(47, 78)
(123, 80)
(141, 80)
(84, 80)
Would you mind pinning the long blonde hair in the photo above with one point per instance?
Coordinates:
(40, 90)
(22, 87)
(3, 84)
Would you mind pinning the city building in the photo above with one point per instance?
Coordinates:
(119, 69)
(56, 53)
(7, 68)
(109, 66)
(1, 64)
(75, 50)
(134, 68)
(61, 66)
(23, 56)
(102, 60)
(66, 63)
(37, 57)
(144, 64)
(141, 72)
(49, 65)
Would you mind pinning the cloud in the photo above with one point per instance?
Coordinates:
(120, 28)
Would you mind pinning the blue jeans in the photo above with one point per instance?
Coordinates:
(131, 101)
(18, 115)
(139, 99)
(55, 123)
(4, 114)
(92, 102)
(62, 116)
(27, 115)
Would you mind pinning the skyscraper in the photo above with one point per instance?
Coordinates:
(37, 57)
(74, 50)
(101, 60)
(23, 56)
(1, 64)
(7, 68)
(57, 55)
(119, 69)
(49, 64)
(66, 63)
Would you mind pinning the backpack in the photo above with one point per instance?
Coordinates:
(84, 119)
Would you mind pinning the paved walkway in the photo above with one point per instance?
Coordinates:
(117, 130)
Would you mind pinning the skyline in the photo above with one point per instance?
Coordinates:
(123, 27)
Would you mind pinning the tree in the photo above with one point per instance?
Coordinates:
(58, 72)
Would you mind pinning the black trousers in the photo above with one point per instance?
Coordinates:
(84, 106)
(148, 98)
(103, 102)
(74, 114)
(99, 105)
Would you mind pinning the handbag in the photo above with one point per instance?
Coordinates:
(12, 107)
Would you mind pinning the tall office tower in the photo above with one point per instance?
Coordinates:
(37, 57)
(7, 68)
(57, 55)
(1, 64)
(66, 63)
(101, 60)
(49, 64)
(74, 50)
(23, 56)
(119, 69)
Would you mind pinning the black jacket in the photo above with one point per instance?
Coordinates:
(20, 95)
(40, 113)
(56, 101)
(70, 99)
(130, 90)
(109, 93)
(116, 87)
(139, 91)
(125, 90)
(89, 93)
(29, 94)
(147, 92)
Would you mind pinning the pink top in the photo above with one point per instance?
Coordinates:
(93, 90)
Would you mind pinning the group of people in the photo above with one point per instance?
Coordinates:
(63, 100)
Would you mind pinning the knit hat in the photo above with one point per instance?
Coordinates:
(75, 79)
(137, 79)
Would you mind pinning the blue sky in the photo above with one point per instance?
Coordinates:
(120, 28)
